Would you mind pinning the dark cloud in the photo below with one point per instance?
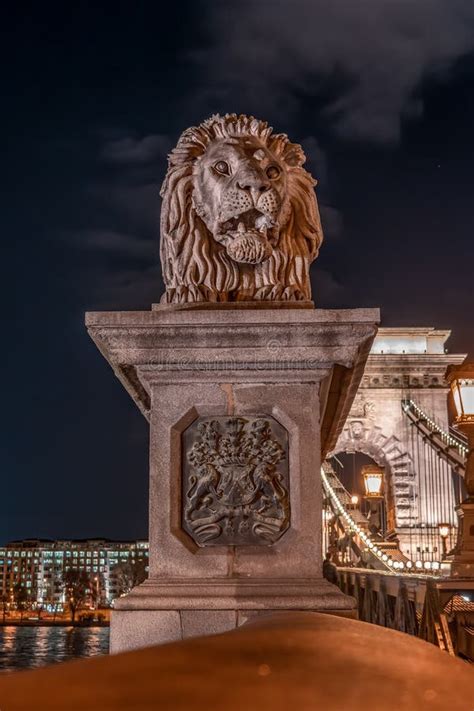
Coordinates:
(328, 290)
(126, 287)
(134, 208)
(316, 159)
(135, 151)
(362, 61)
(130, 246)
(332, 221)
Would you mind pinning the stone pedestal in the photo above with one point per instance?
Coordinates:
(235, 527)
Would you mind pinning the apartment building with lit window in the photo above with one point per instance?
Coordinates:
(38, 566)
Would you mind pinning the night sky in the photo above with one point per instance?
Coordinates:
(379, 92)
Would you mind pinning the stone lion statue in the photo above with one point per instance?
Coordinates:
(239, 219)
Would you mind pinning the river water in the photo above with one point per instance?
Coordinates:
(28, 647)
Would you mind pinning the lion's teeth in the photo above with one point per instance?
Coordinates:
(241, 228)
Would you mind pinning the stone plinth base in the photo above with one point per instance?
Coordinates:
(167, 611)
(243, 405)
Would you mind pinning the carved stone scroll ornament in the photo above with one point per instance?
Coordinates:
(239, 219)
(363, 409)
(235, 481)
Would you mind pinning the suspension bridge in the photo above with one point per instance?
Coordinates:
(393, 551)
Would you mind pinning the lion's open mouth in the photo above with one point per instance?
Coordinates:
(248, 236)
(250, 221)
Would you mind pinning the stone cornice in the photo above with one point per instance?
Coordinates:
(224, 345)
(408, 370)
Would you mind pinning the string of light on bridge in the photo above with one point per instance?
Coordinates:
(445, 436)
(408, 567)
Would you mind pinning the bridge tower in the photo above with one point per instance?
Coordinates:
(420, 492)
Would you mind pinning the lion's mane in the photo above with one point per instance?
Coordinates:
(195, 266)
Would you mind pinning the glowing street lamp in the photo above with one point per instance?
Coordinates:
(373, 477)
(461, 381)
(354, 499)
(444, 530)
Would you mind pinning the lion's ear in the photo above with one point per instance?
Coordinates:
(294, 155)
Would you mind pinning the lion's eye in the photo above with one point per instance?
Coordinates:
(222, 167)
(273, 172)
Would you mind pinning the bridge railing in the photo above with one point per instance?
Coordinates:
(439, 610)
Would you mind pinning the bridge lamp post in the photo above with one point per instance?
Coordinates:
(461, 381)
(373, 477)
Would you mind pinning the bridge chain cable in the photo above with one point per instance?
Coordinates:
(443, 437)
(439, 459)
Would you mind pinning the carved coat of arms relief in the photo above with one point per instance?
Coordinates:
(235, 481)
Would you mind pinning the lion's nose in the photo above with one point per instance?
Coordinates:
(254, 186)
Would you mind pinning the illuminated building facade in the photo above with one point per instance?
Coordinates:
(38, 567)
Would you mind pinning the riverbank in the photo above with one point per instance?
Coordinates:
(54, 623)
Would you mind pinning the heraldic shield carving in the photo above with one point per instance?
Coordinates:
(235, 481)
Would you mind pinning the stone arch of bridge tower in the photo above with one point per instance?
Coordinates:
(388, 452)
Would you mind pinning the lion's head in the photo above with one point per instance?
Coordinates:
(239, 218)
